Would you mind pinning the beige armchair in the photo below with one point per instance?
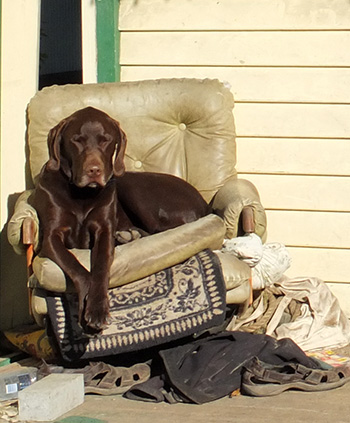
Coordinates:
(180, 126)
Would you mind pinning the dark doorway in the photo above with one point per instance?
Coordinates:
(60, 43)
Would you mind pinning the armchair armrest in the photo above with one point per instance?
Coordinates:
(28, 231)
(248, 224)
(229, 202)
(23, 233)
(23, 227)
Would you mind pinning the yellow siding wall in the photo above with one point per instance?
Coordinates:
(20, 26)
(18, 83)
(288, 62)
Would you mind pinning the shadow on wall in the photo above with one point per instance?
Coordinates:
(14, 308)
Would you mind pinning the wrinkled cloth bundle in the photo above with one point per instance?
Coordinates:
(268, 261)
(321, 324)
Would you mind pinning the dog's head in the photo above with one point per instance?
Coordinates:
(88, 147)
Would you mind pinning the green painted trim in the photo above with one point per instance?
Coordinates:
(108, 40)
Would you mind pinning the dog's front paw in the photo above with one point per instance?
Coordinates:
(123, 237)
(96, 314)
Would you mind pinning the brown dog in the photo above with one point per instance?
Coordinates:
(77, 206)
(76, 200)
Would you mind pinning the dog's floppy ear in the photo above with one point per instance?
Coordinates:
(118, 165)
(53, 144)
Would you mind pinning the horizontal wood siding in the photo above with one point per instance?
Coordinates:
(263, 84)
(288, 65)
(226, 48)
(300, 192)
(290, 156)
(324, 263)
(196, 15)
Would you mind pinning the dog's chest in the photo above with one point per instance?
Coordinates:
(78, 231)
(77, 217)
(85, 221)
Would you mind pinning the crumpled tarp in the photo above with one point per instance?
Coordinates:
(322, 322)
(302, 309)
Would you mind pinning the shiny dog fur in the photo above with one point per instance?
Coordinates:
(78, 206)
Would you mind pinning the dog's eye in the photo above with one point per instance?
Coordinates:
(76, 137)
(77, 140)
(105, 139)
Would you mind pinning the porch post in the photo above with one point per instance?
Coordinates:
(108, 40)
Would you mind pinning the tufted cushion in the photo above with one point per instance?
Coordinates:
(180, 126)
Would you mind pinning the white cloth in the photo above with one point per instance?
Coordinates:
(247, 248)
(274, 262)
(268, 261)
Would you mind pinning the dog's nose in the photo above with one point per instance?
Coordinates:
(93, 171)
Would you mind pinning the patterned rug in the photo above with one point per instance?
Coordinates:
(179, 301)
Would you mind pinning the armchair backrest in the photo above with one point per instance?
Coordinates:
(180, 126)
